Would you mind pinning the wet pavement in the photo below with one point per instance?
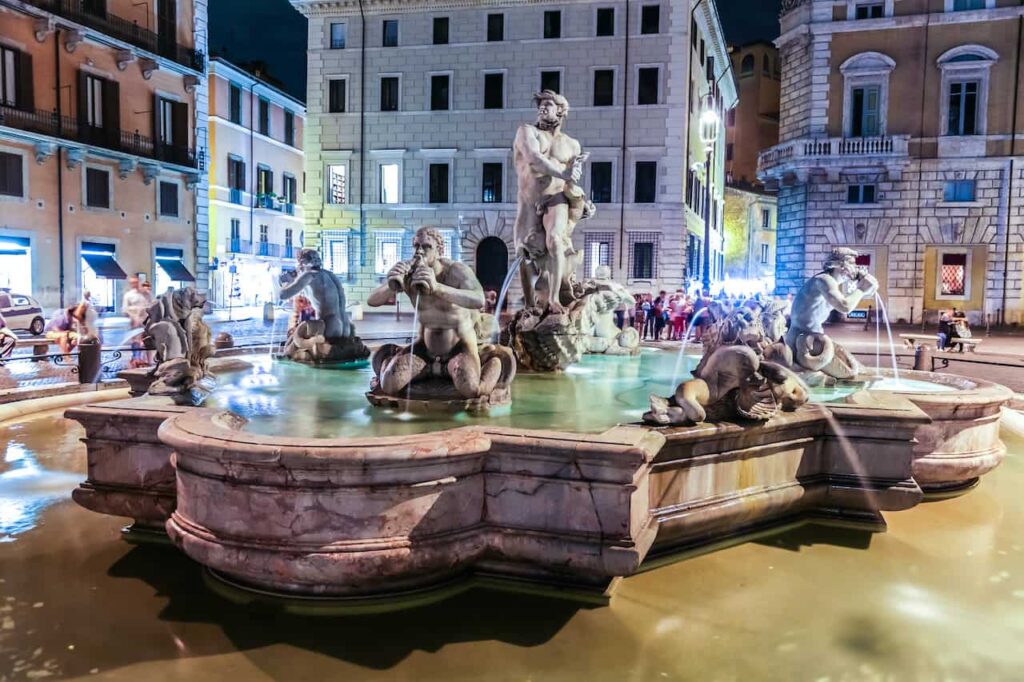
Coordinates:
(938, 597)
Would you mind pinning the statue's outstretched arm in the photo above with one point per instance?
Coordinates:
(837, 300)
(295, 287)
(382, 295)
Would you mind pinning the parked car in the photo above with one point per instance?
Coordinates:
(22, 312)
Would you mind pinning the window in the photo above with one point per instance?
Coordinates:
(766, 65)
(390, 33)
(337, 187)
(869, 10)
(865, 115)
(97, 188)
(440, 30)
(728, 152)
(605, 21)
(264, 180)
(492, 183)
(959, 191)
(235, 103)
(747, 65)
(551, 80)
(764, 254)
(236, 229)
(861, 194)
(289, 190)
(965, 5)
(553, 24)
(440, 92)
(12, 179)
(650, 19)
(645, 188)
(963, 108)
(604, 87)
(495, 28)
(289, 128)
(642, 247)
(337, 36)
(9, 77)
(389, 250)
(389, 183)
(766, 219)
(494, 91)
(236, 174)
(438, 181)
(389, 93)
(337, 95)
(168, 199)
(289, 236)
(167, 121)
(953, 274)
(601, 182)
(647, 85)
(264, 117)
(334, 247)
(94, 101)
(264, 237)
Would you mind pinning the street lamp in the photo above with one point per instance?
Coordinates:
(709, 122)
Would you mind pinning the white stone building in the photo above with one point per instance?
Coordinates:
(413, 111)
(899, 138)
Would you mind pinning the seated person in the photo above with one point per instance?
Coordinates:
(8, 340)
(63, 328)
(961, 330)
(945, 329)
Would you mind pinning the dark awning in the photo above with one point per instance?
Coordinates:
(176, 270)
(104, 265)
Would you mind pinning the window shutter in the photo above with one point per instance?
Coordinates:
(158, 133)
(179, 121)
(24, 89)
(83, 101)
(112, 111)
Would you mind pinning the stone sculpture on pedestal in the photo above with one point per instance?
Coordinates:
(182, 340)
(332, 336)
(445, 367)
(841, 286)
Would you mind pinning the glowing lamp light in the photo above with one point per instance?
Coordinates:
(709, 122)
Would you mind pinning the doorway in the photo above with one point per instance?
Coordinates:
(492, 263)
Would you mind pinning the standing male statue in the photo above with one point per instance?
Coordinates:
(841, 286)
(549, 164)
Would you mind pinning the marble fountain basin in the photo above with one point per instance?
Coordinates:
(372, 517)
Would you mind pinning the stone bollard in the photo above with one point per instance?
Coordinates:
(923, 358)
(89, 365)
(268, 312)
(224, 340)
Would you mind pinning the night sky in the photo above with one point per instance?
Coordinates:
(272, 32)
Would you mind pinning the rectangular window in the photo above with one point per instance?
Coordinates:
(236, 229)
(766, 219)
(166, 122)
(389, 250)
(169, 199)
(264, 117)
(861, 194)
(440, 92)
(494, 91)
(289, 128)
(495, 28)
(866, 114)
(647, 85)
(604, 87)
(264, 180)
(764, 254)
(389, 183)
(728, 152)
(236, 174)
(335, 250)
(440, 30)
(289, 190)
(869, 10)
(959, 191)
(337, 186)
(235, 104)
(338, 36)
(337, 95)
(553, 24)
(605, 21)
(642, 260)
(963, 108)
(94, 101)
(97, 188)
(601, 182)
(9, 77)
(492, 183)
(953, 274)
(597, 251)
(264, 235)
(389, 93)
(650, 19)
(551, 80)
(12, 180)
(964, 5)
(438, 189)
(645, 190)
(289, 236)
(390, 30)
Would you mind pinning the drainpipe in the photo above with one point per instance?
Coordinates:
(920, 169)
(362, 136)
(1013, 150)
(60, 167)
(622, 170)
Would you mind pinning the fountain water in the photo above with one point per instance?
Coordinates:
(682, 349)
(496, 330)
(888, 330)
(412, 348)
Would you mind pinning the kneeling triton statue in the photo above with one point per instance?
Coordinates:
(446, 366)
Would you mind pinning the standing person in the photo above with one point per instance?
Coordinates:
(660, 315)
(134, 305)
(648, 316)
(700, 304)
(678, 315)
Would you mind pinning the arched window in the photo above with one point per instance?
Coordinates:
(766, 65)
(965, 86)
(866, 94)
(747, 66)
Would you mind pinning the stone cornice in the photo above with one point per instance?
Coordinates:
(338, 8)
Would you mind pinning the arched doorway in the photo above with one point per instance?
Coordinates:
(492, 263)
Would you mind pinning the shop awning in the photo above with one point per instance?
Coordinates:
(14, 246)
(176, 270)
(104, 265)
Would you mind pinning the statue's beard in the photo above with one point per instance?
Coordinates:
(548, 124)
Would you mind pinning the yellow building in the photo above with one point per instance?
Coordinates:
(100, 123)
(256, 177)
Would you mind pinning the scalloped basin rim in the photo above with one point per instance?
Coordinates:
(970, 391)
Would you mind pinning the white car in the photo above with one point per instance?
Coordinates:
(22, 312)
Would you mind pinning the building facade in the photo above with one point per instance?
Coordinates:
(255, 173)
(899, 138)
(753, 125)
(415, 125)
(102, 138)
(750, 229)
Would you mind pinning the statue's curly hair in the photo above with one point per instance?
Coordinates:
(551, 96)
(435, 236)
(312, 256)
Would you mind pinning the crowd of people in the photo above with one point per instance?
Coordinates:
(668, 317)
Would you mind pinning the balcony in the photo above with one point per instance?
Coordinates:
(235, 196)
(833, 155)
(67, 128)
(270, 250)
(243, 246)
(272, 202)
(82, 12)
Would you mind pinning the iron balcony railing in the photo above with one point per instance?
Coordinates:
(95, 17)
(235, 196)
(239, 246)
(67, 128)
(271, 203)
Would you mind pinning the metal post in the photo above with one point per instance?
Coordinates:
(706, 275)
